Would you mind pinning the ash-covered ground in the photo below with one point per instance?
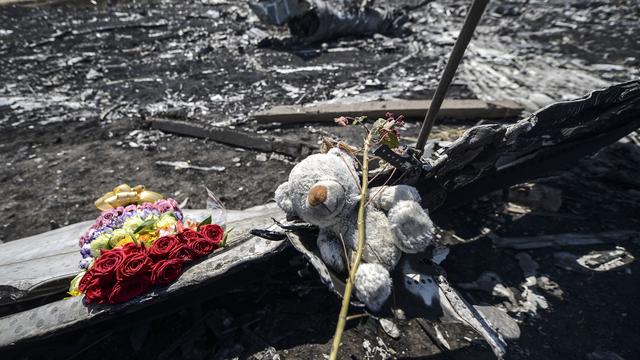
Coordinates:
(78, 81)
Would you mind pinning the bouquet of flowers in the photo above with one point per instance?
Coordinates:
(130, 249)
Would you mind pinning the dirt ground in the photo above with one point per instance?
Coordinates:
(79, 80)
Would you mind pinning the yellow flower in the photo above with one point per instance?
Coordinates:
(124, 241)
(100, 243)
(166, 220)
(73, 287)
(132, 223)
(148, 238)
(120, 237)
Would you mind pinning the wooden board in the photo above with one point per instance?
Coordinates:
(238, 138)
(412, 109)
(43, 264)
(72, 313)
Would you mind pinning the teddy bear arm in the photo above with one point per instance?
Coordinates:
(386, 197)
(411, 225)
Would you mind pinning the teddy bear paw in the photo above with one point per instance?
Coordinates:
(373, 285)
(412, 226)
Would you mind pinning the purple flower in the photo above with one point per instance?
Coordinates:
(163, 205)
(146, 206)
(86, 249)
(84, 263)
(83, 239)
(120, 210)
(130, 208)
(108, 214)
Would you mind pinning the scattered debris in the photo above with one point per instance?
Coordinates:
(412, 109)
(567, 239)
(536, 196)
(185, 165)
(603, 355)
(145, 139)
(606, 260)
(377, 351)
(504, 324)
(527, 299)
(269, 353)
(320, 20)
(390, 328)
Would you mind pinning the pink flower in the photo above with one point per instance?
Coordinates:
(146, 206)
(342, 121)
(131, 208)
(163, 205)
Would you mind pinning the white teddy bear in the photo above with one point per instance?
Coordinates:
(324, 190)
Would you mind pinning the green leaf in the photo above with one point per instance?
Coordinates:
(359, 120)
(206, 221)
(144, 225)
(391, 140)
(224, 238)
(378, 125)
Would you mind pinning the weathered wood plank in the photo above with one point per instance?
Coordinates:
(412, 109)
(65, 314)
(238, 138)
(43, 264)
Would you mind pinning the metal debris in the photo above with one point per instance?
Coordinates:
(390, 328)
(536, 196)
(185, 165)
(319, 20)
(606, 260)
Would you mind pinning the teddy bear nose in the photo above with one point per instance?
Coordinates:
(317, 195)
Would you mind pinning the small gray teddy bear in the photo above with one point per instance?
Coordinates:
(323, 190)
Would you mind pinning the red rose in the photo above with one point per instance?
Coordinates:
(162, 247)
(181, 252)
(166, 271)
(127, 289)
(189, 235)
(201, 247)
(133, 265)
(107, 263)
(131, 248)
(97, 290)
(85, 281)
(213, 232)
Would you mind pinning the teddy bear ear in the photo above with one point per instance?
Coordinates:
(283, 200)
(345, 155)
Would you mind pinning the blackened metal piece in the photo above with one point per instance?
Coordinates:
(269, 234)
(402, 162)
(470, 23)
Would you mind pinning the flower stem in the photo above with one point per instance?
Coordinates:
(342, 318)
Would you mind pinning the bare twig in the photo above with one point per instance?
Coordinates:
(382, 187)
(355, 178)
(346, 254)
(356, 316)
(342, 318)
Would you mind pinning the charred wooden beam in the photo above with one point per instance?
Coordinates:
(490, 157)
(237, 138)
(412, 109)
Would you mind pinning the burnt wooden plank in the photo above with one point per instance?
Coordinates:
(412, 109)
(44, 264)
(237, 138)
(71, 313)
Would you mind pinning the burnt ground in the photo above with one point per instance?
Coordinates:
(78, 82)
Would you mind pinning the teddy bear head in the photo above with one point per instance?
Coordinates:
(321, 189)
